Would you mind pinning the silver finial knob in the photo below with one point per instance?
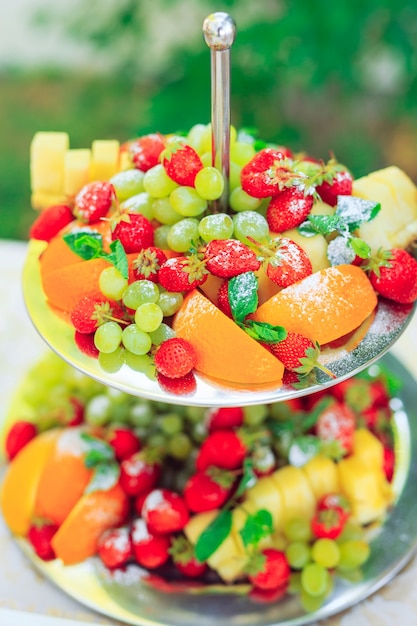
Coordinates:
(219, 31)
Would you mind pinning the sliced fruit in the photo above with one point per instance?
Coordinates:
(77, 165)
(20, 484)
(368, 448)
(297, 495)
(322, 475)
(324, 306)
(315, 247)
(47, 154)
(219, 344)
(266, 495)
(104, 159)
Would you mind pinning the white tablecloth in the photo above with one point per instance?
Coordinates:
(23, 589)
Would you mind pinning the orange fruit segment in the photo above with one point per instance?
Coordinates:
(63, 479)
(20, 484)
(223, 350)
(324, 306)
(77, 537)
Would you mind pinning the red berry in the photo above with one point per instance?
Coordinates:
(337, 423)
(85, 343)
(389, 463)
(89, 313)
(18, 436)
(182, 273)
(149, 550)
(183, 556)
(179, 386)
(224, 418)
(229, 257)
(288, 262)
(148, 263)
(335, 501)
(273, 570)
(258, 177)
(396, 277)
(208, 490)
(146, 150)
(134, 231)
(124, 442)
(288, 209)
(175, 358)
(328, 523)
(93, 201)
(74, 414)
(115, 547)
(164, 512)
(40, 535)
(50, 221)
(223, 299)
(223, 448)
(341, 185)
(137, 474)
(181, 163)
(291, 349)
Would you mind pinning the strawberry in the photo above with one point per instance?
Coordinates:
(224, 418)
(337, 423)
(40, 535)
(74, 414)
(115, 547)
(229, 257)
(269, 569)
(264, 461)
(182, 273)
(18, 436)
(146, 150)
(208, 490)
(223, 299)
(288, 209)
(164, 512)
(259, 176)
(224, 449)
(89, 313)
(335, 501)
(85, 343)
(328, 523)
(183, 556)
(393, 274)
(50, 221)
(285, 261)
(179, 386)
(389, 463)
(298, 354)
(175, 357)
(124, 442)
(181, 163)
(340, 185)
(139, 472)
(149, 550)
(148, 263)
(93, 201)
(134, 231)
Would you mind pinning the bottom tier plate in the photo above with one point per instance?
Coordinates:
(137, 598)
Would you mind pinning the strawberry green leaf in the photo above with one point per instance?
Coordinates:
(302, 449)
(360, 248)
(87, 245)
(265, 332)
(213, 536)
(96, 450)
(248, 478)
(257, 526)
(104, 477)
(243, 295)
(118, 258)
(355, 211)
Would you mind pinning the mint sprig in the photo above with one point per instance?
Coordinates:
(213, 536)
(257, 526)
(99, 456)
(89, 245)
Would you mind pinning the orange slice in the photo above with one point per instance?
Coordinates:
(224, 351)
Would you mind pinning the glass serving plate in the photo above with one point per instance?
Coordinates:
(344, 358)
(141, 599)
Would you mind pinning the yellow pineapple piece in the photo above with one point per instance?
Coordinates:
(266, 495)
(77, 165)
(368, 448)
(104, 159)
(47, 153)
(232, 569)
(322, 476)
(298, 499)
(125, 162)
(41, 200)
(322, 208)
(198, 523)
(315, 247)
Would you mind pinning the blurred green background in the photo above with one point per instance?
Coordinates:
(321, 77)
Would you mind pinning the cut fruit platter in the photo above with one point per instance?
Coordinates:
(237, 442)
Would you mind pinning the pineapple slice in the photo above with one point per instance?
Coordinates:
(322, 476)
(266, 495)
(368, 448)
(105, 155)
(315, 247)
(47, 154)
(77, 165)
(298, 499)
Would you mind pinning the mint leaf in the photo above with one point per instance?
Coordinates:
(248, 478)
(355, 211)
(263, 331)
(243, 295)
(86, 244)
(104, 477)
(302, 449)
(118, 258)
(257, 526)
(96, 450)
(326, 224)
(360, 248)
(213, 536)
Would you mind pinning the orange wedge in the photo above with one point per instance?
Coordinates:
(324, 306)
(224, 351)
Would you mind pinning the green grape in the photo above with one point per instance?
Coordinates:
(183, 234)
(97, 411)
(195, 136)
(250, 224)
(162, 333)
(294, 585)
(148, 317)
(112, 361)
(160, 235)
(136, 340)
(199, 432)
(141, 414)
(157, 440)
(111, 283)
(117, 397)
(298, 529)
(180, 446)
(195, 413)
(140, 363)
(157, 182)
(239, 200)
(216, 226)
(209, 183)
(170, 302)
(187, 202)
(207, 159)
(298, 554)
(255, 414)
(326, 552)
(170, 423)
(164, 212)
(351, 530)
(241, 152)
(311, 603)
(139, 292)
(206, 140)
(234, 176)
(108, 337)
(127, 183)
(314, 579)
(353, 554)
(140, 203)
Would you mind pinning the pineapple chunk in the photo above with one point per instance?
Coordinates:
(322, 476)
(315, 247)
(47, 153)
(41, 200)
(232, 569)
(396, 223)
(368, 448)
(76, 170)
(104, 159)
(297, 495)
(266, 495)
(198, 523)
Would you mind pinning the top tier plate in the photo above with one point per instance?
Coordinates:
(345, 359)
